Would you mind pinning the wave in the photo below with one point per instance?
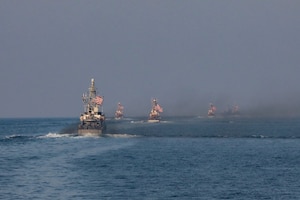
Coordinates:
(146, 122)
(112, 135)
(24, 138)
(16, 137)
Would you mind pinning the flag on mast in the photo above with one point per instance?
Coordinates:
(158, 108)
(98, 100)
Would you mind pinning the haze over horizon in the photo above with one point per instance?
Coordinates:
(184, 53)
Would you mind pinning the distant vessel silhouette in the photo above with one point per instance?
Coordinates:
(156, 109)
(211, 110)
(232, 111)
(119, 112)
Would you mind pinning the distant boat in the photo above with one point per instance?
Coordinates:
(232, 111)
(156, 109)
(92, 120)
(211, 110)
(119, 112)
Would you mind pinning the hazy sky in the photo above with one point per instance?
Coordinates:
(185, 53)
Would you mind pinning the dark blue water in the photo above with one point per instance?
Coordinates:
(180, 158)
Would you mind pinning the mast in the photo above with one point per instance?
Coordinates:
(91, 101)
(92, 89)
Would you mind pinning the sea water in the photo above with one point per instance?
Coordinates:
(178, 158)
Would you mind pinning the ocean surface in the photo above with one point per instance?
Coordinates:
(179, 158)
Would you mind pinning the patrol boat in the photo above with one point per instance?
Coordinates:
(233, 111)
(92, 120)
(154, 115)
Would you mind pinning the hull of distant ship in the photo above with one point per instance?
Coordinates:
(153, 120)
(90, 132)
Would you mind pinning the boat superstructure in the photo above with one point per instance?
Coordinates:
(119, 112)
(92, 120)
(156, 109)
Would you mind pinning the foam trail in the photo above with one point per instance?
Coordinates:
(165, 122)
(56, 135)
(16, 136)
(121, 135)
